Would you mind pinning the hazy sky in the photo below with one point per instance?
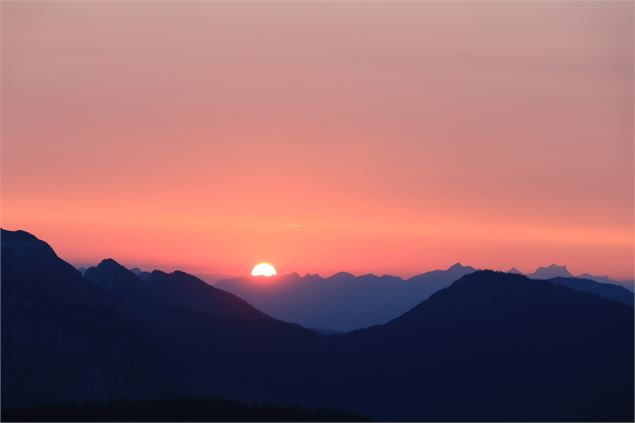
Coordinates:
(389, 137)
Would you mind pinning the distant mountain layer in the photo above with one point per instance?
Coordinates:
(345, 302)
(551, 271)
(605, 290)
(630, 285)
(557, 271)
(342, 302)
(491, 346)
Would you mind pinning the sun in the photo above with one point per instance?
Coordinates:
(263, 269)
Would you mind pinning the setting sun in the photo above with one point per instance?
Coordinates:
(263, 269)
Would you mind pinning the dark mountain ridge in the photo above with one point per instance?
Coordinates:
(69, 338)
(64, 339)
(176, 289)
(491, 346)
(495, 344)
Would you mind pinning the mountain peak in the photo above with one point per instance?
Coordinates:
(111, 275)
(109, 266)
(556, 267)
(23, 243)
(456, 266)
(177, 277)
(110, 263)
(551, 271)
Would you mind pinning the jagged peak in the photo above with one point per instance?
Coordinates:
(456, 266)
(550, 271)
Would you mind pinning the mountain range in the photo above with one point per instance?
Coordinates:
(561, 271)
(344, 302)
(488, 346)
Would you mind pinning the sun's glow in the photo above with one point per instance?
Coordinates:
(263, 269)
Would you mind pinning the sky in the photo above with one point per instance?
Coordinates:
(385, 137)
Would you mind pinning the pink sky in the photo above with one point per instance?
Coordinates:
(368, 137)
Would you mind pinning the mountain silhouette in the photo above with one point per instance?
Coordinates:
(198, 319)
(113, 277)
(490, 346)
(140, 273)
(556, 271)
(496, 346)
(353, 301)
(551, 271)
(64, 339)
(177, 289)
(605, 279)
(605, 290)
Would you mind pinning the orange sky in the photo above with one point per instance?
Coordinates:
(325, 136)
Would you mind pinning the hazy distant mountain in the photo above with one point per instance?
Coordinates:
(556, 271)
(212, 278)
(343, 301)
(551, 271)
(560, 275)
(491, 346)
(605, 290)
(452, 273)
(602, 279)
(605, 279)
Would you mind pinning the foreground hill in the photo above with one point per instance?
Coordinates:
(113, 336)
(496, 346)
(64, 339)
(180, 409)
(491, 346)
